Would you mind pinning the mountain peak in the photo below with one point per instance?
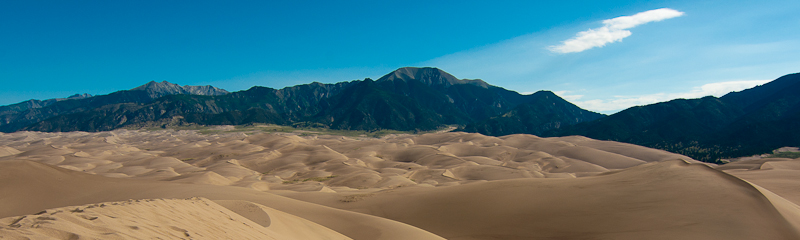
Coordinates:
(163, 88)
(430, 76)
(79, 96)
(545, 92)
(153, 85)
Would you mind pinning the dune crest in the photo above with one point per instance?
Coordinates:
(778, 175)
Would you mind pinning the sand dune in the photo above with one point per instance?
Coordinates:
(28, 187)
(780, 175)
(430, 186)
(194, 218)
(625, 149)
(289, 162)
(667, 200)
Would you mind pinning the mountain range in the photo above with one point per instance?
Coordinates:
(419, 99)
(752, 121)
(408, 99)
(34, 103)
(19, 116)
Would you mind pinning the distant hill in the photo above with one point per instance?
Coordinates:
(751, 121)
(405, 99)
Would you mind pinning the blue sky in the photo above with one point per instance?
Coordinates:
(630, 53)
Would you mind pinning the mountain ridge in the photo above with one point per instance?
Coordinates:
(35, 103)
(545, 112)
(409, 99)
(15, 119)
(160, 89)
(751, 121)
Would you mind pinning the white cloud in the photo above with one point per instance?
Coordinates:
(722, 88)
(622, 102)
(563, 94)
(572, 97)
(613, 30)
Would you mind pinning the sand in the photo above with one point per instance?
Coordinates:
(666, 200)
(194, 218)
(780, 175)
(430, 186)
(323, 163)
(29, 187)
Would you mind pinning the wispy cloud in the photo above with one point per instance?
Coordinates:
(613, 30)
(622, 102)
(573, 97)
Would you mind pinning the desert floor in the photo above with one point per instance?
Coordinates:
(188, 184)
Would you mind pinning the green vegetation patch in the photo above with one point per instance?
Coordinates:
(785, 155)
(302, 130)
(316, 179)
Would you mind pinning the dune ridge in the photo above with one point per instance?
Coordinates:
(780, 176)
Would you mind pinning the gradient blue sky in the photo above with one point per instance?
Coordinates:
(52, 49)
